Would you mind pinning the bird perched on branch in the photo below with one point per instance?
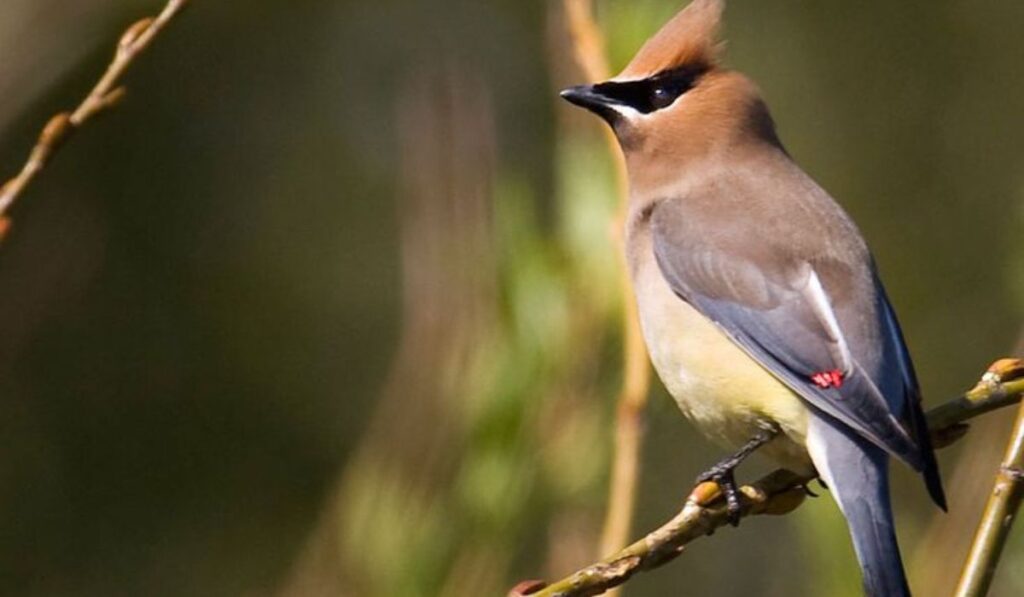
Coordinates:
(759, 300)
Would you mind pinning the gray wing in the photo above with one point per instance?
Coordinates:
(799, 317)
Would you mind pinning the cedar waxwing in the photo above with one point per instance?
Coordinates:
(759, 301)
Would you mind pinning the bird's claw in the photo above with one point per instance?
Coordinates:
(726, 482)
(722, 473)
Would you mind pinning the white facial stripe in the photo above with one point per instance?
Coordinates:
(627, 112)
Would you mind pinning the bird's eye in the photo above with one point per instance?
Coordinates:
(653, 93)
(662, 96)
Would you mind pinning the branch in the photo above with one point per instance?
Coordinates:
(105, 94)
(995, 524)
(777, 493)
(589, 54)
(587, 39)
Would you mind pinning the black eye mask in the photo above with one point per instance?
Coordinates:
(653, 93)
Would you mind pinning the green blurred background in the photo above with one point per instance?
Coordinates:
(329, 306)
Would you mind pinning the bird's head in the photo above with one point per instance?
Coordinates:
(674, 102)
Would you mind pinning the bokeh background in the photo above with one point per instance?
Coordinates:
(330, 305)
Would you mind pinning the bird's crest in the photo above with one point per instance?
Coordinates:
(689, 39)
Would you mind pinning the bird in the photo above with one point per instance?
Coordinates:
(759, 301)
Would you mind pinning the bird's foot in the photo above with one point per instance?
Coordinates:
(722, 475)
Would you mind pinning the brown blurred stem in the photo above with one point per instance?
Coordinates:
(591, 59)
(1000, 512)
(782, 491)
(106, 93)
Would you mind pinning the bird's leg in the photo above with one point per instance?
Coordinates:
(722, 473)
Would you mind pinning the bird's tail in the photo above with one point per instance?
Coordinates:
(857, 474)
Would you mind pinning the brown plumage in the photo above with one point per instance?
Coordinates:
(758, 297)
(690, 38)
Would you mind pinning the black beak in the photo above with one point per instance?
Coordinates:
(589, 97)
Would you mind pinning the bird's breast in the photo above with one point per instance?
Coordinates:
(718, 387)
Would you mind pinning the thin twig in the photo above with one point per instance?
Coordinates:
(591, 59)
(105, 94)
(587, 40)
(777, 493)
(1000, 512)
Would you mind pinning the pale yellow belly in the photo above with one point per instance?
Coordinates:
(716, 385)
